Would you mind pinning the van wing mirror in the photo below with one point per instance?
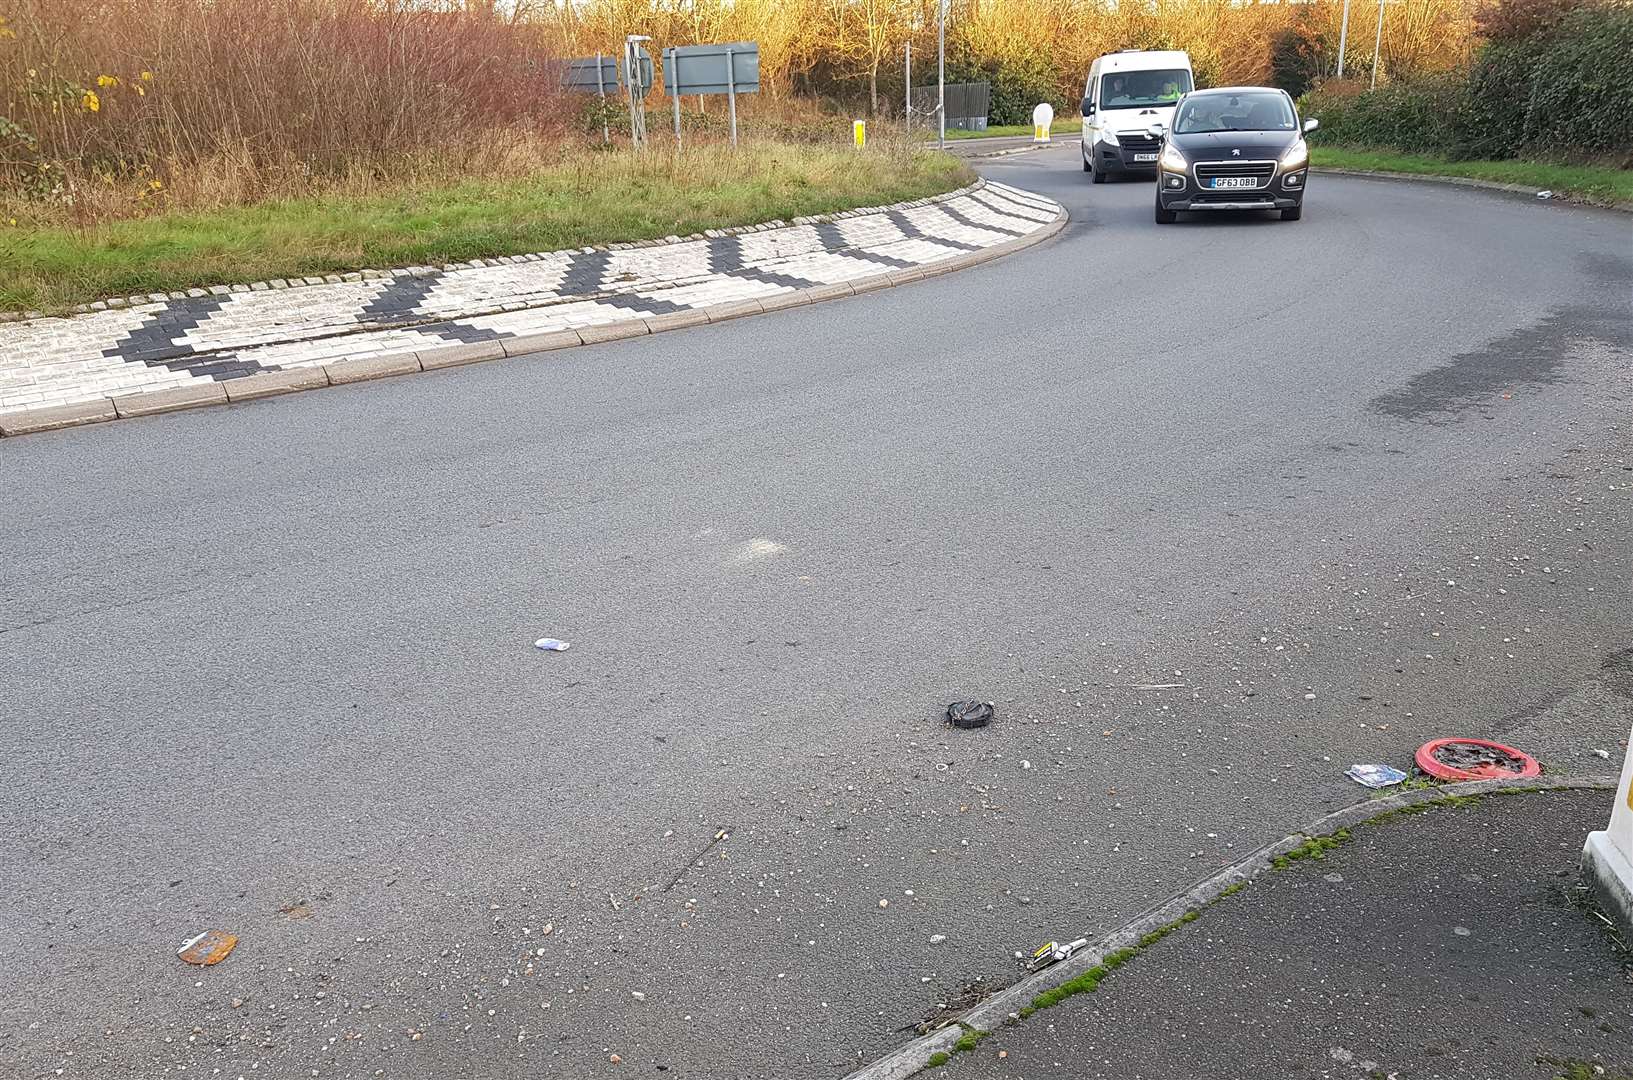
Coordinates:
(1088, 107)
(1311, 124)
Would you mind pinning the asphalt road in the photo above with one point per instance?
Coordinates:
(1448, 945)
(1350, 482)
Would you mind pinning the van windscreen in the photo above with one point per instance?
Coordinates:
(1143, 89)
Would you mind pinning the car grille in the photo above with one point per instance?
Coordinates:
(1247, 196)
(1260, 171)
(1135, 142)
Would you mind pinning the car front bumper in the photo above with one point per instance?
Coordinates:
(1116, 158)
(1278, 194)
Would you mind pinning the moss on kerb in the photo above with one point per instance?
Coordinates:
(1314, 847)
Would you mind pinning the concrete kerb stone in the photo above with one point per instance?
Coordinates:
(268, 384)
(152, 402)
(537, 343)
(58, 416)
(1005, 1006)
(272, 383)
(613, 331)
(677, 320)
(454, 355)
(734, 310)
(372, 367)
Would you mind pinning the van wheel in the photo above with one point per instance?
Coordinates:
(1292, 215)
(1098, 174)
(1086, 166)
(1165, 217)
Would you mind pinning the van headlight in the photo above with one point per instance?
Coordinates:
(1297, 156)
(1172, 160)
(1108, 137)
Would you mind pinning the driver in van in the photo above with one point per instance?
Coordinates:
(1118, 93)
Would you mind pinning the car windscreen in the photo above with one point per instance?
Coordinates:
(1143, 89)
(1251, 110)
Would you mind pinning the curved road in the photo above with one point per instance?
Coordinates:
(1337, 486)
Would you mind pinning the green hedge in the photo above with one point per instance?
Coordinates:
(1561, 93)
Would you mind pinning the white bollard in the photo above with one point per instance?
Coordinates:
(1043, 115)
(1607, 857)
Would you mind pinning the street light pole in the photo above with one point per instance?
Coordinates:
(941, 69)
(1343, 36)
(1377, 44)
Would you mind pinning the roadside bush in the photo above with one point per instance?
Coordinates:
(1581, 97)
(1561, 92)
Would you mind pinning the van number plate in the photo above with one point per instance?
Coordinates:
(1145, 157)
(1235, 182)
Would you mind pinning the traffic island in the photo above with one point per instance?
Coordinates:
(164, 352)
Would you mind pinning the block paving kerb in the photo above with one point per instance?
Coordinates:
(226, 342)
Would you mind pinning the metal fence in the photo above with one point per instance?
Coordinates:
(967, 104)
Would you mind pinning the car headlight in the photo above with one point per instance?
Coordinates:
(1297, 156)
(1172, 160)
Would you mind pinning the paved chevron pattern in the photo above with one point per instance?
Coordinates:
(171, 343)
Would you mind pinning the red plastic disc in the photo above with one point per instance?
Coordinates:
(1474, 759)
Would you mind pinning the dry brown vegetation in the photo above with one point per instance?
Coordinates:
(116, 107)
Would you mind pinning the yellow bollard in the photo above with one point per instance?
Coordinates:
(859, 129)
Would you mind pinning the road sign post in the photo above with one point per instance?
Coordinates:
(731, 96)
(674, 98)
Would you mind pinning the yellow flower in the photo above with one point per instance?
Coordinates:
(141, 92)
(106, 81)
(91, 102)
(155, 184)
(147, 76)
(6, 31)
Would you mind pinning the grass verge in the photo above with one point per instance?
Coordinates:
(1060, 127)
(589, 197)
(1591, 183)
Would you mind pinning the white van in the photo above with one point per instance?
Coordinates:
(1126, 93)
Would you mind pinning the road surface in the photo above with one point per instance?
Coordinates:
(1209, 511)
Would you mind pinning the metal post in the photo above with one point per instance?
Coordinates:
(1377, 44)
(1343, 36)
(907, 88)
(601, 92)
(637, 102)
(731, 95)
(941, 68)
(674, 91)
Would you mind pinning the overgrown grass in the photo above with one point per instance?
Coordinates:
(1060, 127)
(1593, 183)
(589, 197)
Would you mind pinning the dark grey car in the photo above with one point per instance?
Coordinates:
(1234, 148)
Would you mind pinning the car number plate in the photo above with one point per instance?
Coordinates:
(1145, 157)
(1235, 182)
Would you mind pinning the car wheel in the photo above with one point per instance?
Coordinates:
(1165, 217)
(1292, 215)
